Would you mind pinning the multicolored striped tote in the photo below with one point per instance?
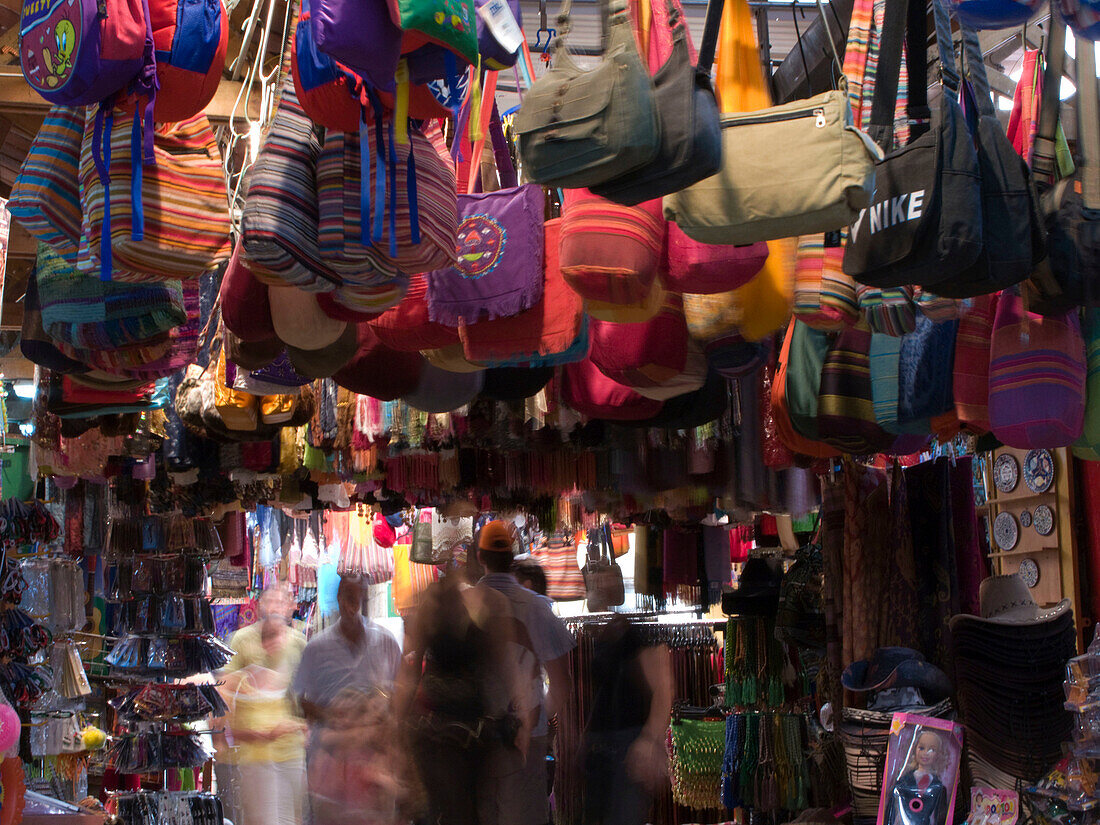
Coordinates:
(1036, 377)
(971, 377)
(45, 197)
(166, 220)
(824, 297)
(845, 406)
(558, 557)
(404, 218)
(889, 310)
(84, 311)
(279, 221)
(610, 252)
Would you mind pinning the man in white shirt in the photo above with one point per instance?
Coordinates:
(355, 653)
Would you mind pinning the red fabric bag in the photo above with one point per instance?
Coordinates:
(547, 330)
(610, 252)
(970, 382)
(407, 328)
(246, 309)
(590, 392)
(643, 355)
(705, 269)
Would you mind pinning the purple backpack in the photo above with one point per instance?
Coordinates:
(361, 35)
(74, 54)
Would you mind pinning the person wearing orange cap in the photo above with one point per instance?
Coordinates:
(540, 642)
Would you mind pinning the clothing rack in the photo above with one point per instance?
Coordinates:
(696, 658)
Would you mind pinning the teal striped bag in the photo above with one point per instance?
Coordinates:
(85, 312)
(885, 354)
(45, 197)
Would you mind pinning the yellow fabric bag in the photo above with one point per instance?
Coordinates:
(238, 410)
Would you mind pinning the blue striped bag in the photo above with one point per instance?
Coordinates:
(45, 197)
(85, 312)
(889, 310)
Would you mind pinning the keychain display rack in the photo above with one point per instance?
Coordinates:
(159, 610)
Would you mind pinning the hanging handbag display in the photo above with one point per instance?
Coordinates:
(687, 112)
(1036, 376)
(1071, 208)
(578, 128)
(1012, 234)
(925, 225)
(845, 407)
(603, 578)
(759, 194)
(558, 557)
(970, 382)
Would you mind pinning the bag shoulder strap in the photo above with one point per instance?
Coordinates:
(975, 72)
(1088, 123)
(709, 43)
(881, 127)
(1043, 158)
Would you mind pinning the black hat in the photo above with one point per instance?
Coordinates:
(757, 592)
(897, 667)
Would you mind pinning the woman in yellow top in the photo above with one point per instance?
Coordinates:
(265, 735)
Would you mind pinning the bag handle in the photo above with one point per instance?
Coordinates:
(1088, 124)
(976, 74)
(665, 31)
(709, 43)
(1043, 153)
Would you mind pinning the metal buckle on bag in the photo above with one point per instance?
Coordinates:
(819, 114)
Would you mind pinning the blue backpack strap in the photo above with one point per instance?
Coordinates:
(414, 209)
(364, 179)
(137, 231)
(380, 174)
(101, 154)
(393, 190)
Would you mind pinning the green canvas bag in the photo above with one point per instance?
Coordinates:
(579, 128)
(804, 363)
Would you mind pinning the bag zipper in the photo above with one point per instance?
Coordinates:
(817, 112)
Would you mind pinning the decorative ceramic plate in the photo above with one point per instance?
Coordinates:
(1006, 532)
(1044, 520)
(1029, 572)
(1038, 470)
(1025, 518)
(1006, 473)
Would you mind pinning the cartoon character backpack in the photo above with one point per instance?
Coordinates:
(80, 52)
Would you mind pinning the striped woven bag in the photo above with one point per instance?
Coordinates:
(845, 408)
(413, 226)
(84, 311)
(166, 220)
(1036, 376)
(888, 310)
(1087, 446)
(279, 219)
(970, 382)
(45, 197)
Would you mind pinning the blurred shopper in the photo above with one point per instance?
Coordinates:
(266, 734)
(624, 756)
(530, 574)
(461, 697)
(540, 641)
(343, 684)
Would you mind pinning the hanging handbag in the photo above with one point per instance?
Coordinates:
(925, 374)
(558, 558)
(759, 194)
(590, 392)
(424, 550)
(554, 331)
(1083, 16)
(407, 327)
(1089, 441)
(970, 382)
(361, 35)
(279, 219)
(925, 225)
(779, 409)
(164, 220)
(687, 112)
(578, 128)
(994, 14)
(603, 578)
(708, 268)
(804, 362)
(845, 406)
(499, 267)
(1036, 377)
(45, 197)
(643, 355)
(610, 252)
(1071, 208)
(890, 311)
(1012, 233)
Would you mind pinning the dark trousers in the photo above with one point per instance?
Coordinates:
(611, 797)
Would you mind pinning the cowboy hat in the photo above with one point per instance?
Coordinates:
(1006, 600)
(440, 390)
(327, 361)
(896, 667)
(299, 320)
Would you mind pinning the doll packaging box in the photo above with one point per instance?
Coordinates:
(922, 771)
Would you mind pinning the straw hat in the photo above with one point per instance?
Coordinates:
(300, 321)
(1006, 600)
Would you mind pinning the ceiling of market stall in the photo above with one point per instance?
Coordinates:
(778, 25)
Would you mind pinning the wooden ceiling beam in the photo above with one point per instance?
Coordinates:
(17, 97)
